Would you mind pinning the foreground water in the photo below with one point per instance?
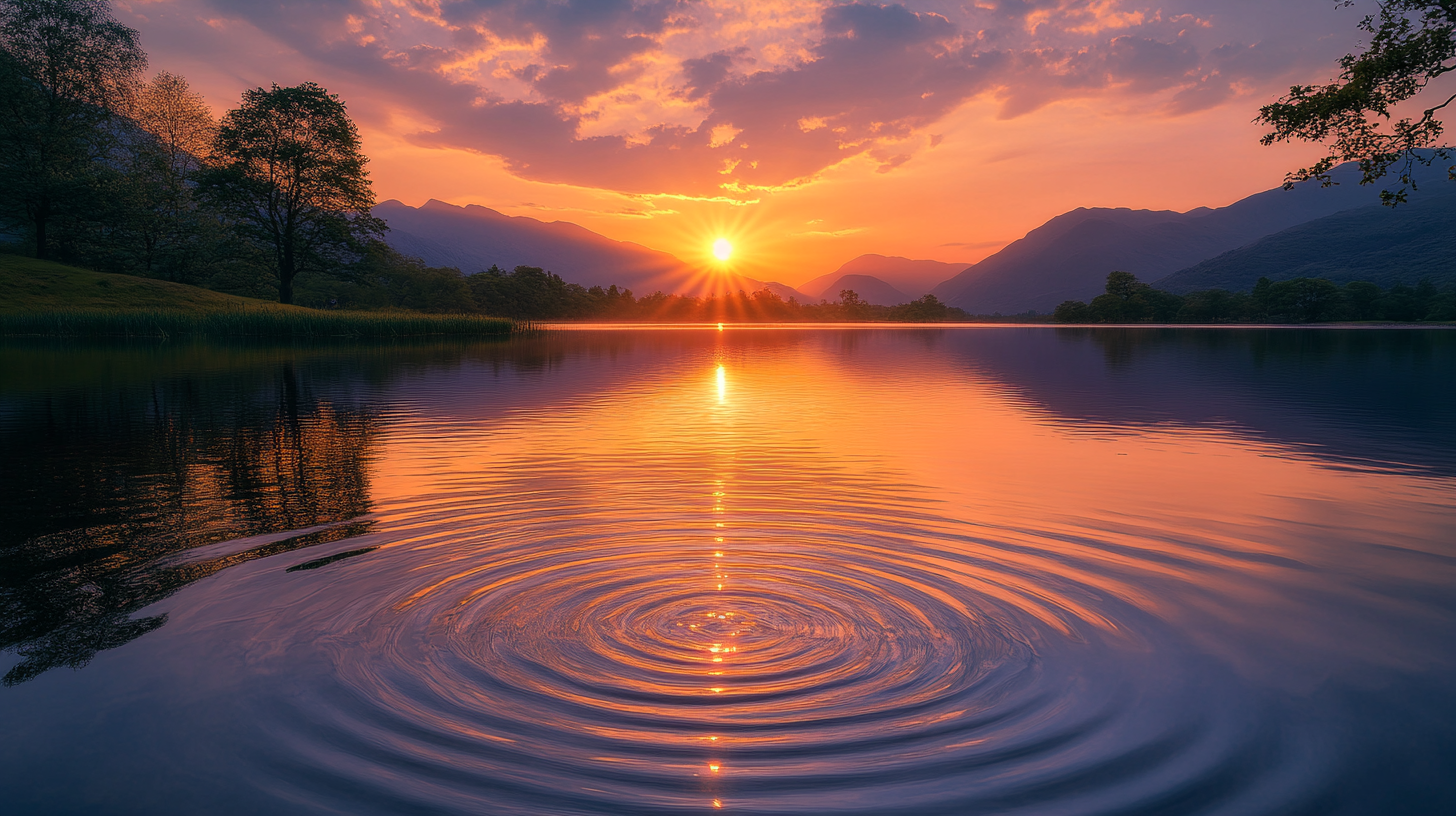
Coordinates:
(1024, 571)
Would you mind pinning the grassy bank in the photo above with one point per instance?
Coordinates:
(39, 298)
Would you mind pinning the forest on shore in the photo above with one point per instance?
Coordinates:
(1300, 300)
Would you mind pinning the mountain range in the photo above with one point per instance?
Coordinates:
(474, 238)
(1068, 257)
(1375, 243)
(1339, 232)
(905, 278)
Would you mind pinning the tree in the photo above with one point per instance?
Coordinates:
(1123, 285)
(1412, 43)
(160, 231)
(1362, 298)
(1072, 311)
(286, 168)
(927, 309)
(178, 120)
(852, 306)
(1312, 299)
(67, 68)
(1122, 300)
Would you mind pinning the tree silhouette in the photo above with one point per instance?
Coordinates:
(287, 168)
(67, 68)
(1412, 43)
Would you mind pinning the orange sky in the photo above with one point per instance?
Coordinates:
(806, 132)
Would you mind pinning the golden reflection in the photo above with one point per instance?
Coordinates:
(722, 382)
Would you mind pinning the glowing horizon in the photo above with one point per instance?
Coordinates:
(829, 130)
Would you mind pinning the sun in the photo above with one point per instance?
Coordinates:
(722, 250)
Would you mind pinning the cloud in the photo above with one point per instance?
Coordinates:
(729, 97)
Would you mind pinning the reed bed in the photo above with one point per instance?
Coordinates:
(271, 323)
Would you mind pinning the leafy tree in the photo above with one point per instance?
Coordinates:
(1362, 300)
(1128, 300)
(852, 306)
(67, 68)
(1412, 43)
(1312, 299)
(178, 120)
(527, 292)
(926, 309)
(1123, 285)
(286, 168)
(1263, 297)
(1212, 306)
(766, 304)
(159, 231)
(1072, 311)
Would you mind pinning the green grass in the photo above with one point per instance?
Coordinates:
(40, 298)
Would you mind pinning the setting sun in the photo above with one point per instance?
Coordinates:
(722, 250)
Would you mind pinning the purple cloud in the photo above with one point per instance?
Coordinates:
(623, 95)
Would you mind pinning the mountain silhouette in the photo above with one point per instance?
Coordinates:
(870, 289)
(474, 238)
(1068, 257)
(1380, 244)
(910, 277)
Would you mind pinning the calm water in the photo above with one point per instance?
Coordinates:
(1021, 571)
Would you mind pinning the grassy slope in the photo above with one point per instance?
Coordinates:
(39, 298)
(28, 285)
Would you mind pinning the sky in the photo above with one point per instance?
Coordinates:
(805, 132)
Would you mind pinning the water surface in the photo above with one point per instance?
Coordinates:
(956, 570)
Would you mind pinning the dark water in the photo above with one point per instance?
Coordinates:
(1025, 571)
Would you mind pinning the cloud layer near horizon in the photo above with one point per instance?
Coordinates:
(733, 97)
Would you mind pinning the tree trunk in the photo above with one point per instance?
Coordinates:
(285, 277)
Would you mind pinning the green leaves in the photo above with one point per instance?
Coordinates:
(1412, 43)
(67, 68)
(287, 169)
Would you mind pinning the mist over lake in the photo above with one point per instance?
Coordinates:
(766, 570)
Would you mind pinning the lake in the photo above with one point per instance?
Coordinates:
(1012, 570)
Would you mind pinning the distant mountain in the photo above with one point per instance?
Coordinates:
(870, 289)
(1379, 244)
(1068, 257)
(474, 238)
(909, 276)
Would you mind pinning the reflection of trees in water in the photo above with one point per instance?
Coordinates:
(1350, 397)
(103, 483)
(1302, 348)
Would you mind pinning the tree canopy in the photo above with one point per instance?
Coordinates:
(1412, 43)
(287, 168)
(1296, 300)
(67, 69)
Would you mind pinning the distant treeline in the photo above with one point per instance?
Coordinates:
(1300, 300)
(532, 293)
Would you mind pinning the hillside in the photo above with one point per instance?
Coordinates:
(870, 290)
(27, 285)
(908, 276)
(1379, 244)
(1068, 257)
(474, 238)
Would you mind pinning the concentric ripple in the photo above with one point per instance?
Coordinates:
(686, 640)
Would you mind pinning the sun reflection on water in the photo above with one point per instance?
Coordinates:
(896, 596)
